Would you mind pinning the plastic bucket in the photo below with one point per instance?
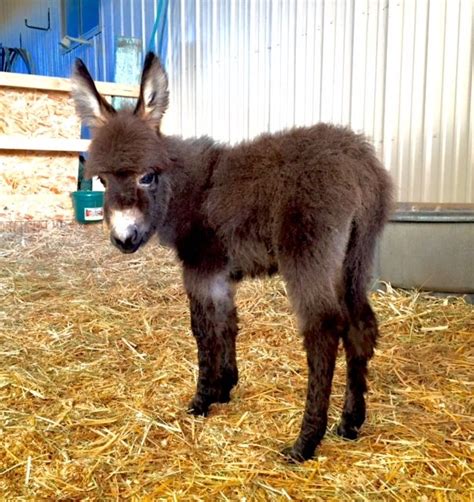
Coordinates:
(88, 206)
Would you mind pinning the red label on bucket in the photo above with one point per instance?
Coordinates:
(93, 213)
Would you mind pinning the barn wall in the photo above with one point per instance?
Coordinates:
(398, 70)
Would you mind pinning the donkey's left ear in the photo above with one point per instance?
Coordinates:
(153, 100)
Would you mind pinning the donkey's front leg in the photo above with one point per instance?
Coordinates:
(214, 326)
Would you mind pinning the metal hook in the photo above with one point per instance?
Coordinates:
(39, 27)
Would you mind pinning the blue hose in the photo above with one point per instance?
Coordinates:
(161, 23)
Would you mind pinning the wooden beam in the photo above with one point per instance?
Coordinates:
(63, 84)
(43, 144)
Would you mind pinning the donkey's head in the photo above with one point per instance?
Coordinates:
(127, 153)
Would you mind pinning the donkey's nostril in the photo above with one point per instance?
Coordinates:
(127, 243)
(114, 240)
(134, 237)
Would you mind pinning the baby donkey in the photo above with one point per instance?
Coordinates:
(308, 203)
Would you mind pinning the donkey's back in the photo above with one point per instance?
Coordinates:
(282, 194)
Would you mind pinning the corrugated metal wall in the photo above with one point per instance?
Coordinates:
(118, 18)
(399, 70)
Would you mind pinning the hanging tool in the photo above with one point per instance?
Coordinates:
(40, 27)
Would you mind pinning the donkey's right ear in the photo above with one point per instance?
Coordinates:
(90, 105)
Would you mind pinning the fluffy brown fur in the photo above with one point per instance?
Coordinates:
(308, 202)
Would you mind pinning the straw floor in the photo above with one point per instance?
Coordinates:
(97, 364)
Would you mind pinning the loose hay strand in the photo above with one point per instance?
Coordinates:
(98, 363)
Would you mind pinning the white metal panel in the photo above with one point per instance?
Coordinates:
(464, 124)
(398, 70)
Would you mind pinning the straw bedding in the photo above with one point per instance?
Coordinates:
(97, 364)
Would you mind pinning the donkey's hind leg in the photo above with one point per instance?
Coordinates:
(321, 331)
(360, 339)
(359, 343)
(313, 276)
(214, 326)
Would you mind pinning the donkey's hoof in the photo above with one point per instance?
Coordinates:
(198, 408)
(347, 431)
(295, 455)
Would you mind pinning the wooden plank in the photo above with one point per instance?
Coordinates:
(63, 84)
(44, 144)
(36, 185)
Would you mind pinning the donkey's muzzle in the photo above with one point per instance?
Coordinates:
(129, 245)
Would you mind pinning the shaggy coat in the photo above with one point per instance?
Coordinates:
(308, 203)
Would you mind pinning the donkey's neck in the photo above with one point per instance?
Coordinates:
(189, 180)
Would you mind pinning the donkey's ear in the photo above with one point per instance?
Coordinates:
(90, 105)
(153, 100)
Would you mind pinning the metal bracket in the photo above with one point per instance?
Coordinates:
(40, 27)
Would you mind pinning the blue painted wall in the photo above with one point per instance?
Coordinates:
(118, 18)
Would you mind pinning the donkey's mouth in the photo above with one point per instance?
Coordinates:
(128, 245)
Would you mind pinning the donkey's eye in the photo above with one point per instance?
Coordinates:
(147, 179)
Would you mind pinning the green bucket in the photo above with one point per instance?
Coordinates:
(88, 206)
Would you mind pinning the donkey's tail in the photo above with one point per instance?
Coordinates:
(366, 229)
(361, 337)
